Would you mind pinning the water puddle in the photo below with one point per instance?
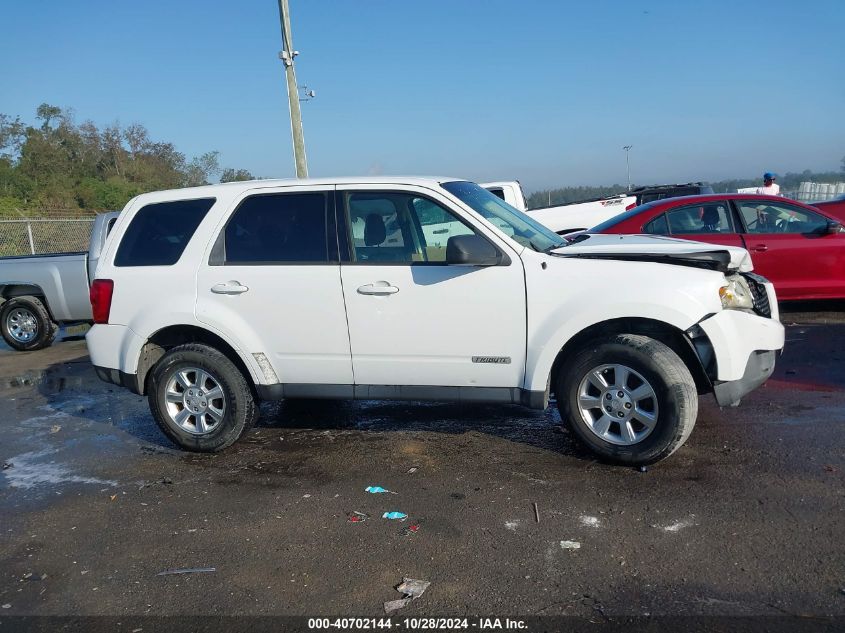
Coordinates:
(45, 380)
(36, 468)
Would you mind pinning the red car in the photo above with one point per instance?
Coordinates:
(798, 247)
(835, 208)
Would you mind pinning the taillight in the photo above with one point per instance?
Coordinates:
(630, 206)
(101, 293)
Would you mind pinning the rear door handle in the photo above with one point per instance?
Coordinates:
(378, 288)
(229, 288)
(760, 248)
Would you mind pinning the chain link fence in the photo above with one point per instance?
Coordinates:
(38, 236)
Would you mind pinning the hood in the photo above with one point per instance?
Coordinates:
(656, 248)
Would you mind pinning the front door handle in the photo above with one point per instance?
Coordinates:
(229, 288)
(760, 248)
(378, 288)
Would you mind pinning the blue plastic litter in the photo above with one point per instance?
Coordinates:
(375, 489)
(401, 516)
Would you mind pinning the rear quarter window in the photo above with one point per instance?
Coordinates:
(657, 226)
(159, 233)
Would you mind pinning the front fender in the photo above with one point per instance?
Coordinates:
(559, 328)
(568, 295)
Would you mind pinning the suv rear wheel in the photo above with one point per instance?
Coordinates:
(200, 399)
(630, 399)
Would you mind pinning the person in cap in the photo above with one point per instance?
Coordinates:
(770, 187)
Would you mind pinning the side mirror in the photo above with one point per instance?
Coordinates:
(473, 250)
(833, 227)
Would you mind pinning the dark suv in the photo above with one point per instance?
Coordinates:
(659, 192)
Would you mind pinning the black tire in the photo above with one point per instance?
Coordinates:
(669, 379)
(239, 407)
(45, 329)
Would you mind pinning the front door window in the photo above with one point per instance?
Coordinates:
(400, 228)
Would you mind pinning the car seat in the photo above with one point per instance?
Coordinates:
(375, 231)
(711, 220)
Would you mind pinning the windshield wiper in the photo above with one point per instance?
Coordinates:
(579, 238)
(567, 242)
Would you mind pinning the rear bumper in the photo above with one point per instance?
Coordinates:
(117, 377)
(759, 367)
(113, 348)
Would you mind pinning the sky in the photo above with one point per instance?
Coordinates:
(544, 91)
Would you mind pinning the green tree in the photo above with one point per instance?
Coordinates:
(235, 175)
(46, 113)
(12, 134)
(202, 169)
(58, 164)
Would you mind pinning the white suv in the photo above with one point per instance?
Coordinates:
(210, 299)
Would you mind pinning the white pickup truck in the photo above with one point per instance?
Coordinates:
(563, 218)
(210, 299)
(41, 292)
(579, 216)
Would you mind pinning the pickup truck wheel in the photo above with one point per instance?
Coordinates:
(200, 399)
(630, 399)
(26, 325)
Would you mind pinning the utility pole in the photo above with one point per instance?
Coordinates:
(627, 149)
(287, 55)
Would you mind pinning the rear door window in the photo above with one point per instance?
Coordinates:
(159, 233)
(278, 228)
(708, 217)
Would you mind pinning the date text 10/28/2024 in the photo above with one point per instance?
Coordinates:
(482, 624)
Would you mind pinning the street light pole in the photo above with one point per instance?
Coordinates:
(627, 149)
(287, 55)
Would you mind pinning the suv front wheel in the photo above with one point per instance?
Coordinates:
(200, 399)
(630, 399)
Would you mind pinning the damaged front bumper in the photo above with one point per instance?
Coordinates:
(760, 366)
(744, 347)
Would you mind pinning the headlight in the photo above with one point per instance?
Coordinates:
(736, 295)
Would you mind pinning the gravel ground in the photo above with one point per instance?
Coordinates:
(746, 519)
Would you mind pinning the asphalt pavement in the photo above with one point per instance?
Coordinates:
(745, 519)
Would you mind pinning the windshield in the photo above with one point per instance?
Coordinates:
(515, 224)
